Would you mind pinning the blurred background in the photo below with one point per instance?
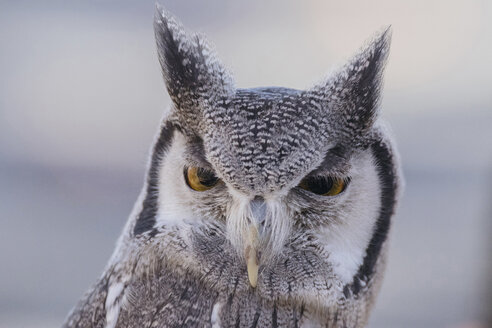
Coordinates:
(81, 97)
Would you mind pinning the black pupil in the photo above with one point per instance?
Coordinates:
(319, 186)
(207, 177)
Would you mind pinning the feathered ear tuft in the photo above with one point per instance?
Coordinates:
(190, 68)
(352, 95)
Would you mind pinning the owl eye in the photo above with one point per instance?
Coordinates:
(324, 186)
(200, 179)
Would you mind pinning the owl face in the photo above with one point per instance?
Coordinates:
(332, 209)
(281, 192)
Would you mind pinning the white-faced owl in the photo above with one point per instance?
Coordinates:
(262, 207)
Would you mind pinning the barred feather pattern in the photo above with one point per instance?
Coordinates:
(321, 260)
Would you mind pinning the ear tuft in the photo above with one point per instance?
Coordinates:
(174, 51)
(352, 95)
(365, 70)
(190, 68)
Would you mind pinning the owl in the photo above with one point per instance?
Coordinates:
(262, 207)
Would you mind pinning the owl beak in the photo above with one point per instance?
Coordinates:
(251, 255)
(258, 212)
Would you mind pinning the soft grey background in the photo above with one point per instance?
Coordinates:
(81, 97)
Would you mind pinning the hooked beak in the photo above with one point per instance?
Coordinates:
(258, 213)
(251, 254)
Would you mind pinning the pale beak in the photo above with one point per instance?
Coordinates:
(258, 211)
(251, 255)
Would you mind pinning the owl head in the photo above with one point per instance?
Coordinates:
(279, 193)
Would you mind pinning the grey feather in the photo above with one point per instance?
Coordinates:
(182, 259)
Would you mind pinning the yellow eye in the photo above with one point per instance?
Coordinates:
(324, 186)
(200, 179)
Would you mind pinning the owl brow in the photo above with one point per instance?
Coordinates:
(336, 163)
(195, 153)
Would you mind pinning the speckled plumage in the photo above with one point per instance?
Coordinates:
(179, 260)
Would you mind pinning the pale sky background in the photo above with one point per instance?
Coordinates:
(81, 97)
